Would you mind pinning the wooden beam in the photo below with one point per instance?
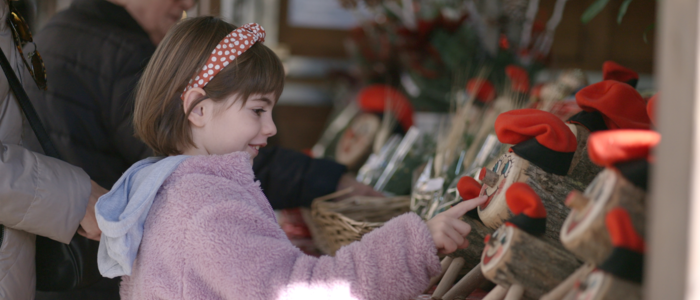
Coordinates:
(676, 169)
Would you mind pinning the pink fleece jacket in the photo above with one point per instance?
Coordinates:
(211, 234)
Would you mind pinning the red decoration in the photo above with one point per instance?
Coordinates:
(482, 88)
(468, 188)
(614, 71)
(622, 232)
(620, 104)
(606, 148)
(519, 80)
(651, 108)
(521, 198)
(375, 97)
(520, 125)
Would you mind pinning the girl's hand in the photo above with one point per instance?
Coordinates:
(447, 228)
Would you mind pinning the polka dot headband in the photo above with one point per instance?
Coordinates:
(232, 46)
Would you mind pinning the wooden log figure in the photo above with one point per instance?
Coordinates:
(542, 156)
(611, 104)
(622, 184)
(356, 142)
(514, 256)
(620, 275)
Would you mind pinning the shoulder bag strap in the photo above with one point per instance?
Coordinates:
(28, 108)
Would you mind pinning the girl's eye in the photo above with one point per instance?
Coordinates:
(259, 111)
(496, 166)
(503, 240)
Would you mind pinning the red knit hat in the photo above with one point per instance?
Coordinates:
(627, 258)
(468, 188)
(519, 80)
(651, 108)
(526, 205)
(482, 88)
(375, 97)
(607, 148)
(540, 137)
(614, 71)
(622, 233)
(620, 105)
(628, 151)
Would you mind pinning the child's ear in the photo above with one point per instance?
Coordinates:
(201, 112)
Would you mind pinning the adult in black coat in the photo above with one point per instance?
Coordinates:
(95, 52)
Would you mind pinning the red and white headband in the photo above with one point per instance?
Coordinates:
(232, 46)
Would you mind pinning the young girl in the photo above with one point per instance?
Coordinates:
(195, 224)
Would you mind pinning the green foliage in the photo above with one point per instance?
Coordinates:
(623, 10)
(593, 10)
(599, 5)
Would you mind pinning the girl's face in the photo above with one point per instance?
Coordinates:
(221, 128)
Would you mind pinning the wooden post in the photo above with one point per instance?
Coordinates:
(567, 285)
(443, 264)
(466, 285)
(498, 293)
(449, 278)
(600, 285)
(515, 292)
(512, 256)
(584, 232)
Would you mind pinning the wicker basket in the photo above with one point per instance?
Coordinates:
(334, 224)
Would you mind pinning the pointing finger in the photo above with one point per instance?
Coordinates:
(467, 205)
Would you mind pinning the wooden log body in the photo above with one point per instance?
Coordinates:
(356, 142)
(600, 285)
(513, 256)
(582, 169)
(584, 232)
(551, 188)
(472, 254)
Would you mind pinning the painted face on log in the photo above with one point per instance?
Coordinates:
(496, 247)
(357, 140)
(590, 288)
(587, 209)
(508, 169)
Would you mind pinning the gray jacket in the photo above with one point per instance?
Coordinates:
(39, 195)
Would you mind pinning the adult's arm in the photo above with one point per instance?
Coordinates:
(40, 194)
(292, 179)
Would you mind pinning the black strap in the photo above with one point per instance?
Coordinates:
(28, 108)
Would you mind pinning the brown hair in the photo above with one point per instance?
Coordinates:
(159, 117)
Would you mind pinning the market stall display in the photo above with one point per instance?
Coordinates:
(556, 159)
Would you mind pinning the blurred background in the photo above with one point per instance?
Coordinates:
(318, 42)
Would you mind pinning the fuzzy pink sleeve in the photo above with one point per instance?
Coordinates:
(236, 250)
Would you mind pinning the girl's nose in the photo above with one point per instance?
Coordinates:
(269, 129)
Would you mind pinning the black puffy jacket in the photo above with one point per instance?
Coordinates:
(94, 53)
